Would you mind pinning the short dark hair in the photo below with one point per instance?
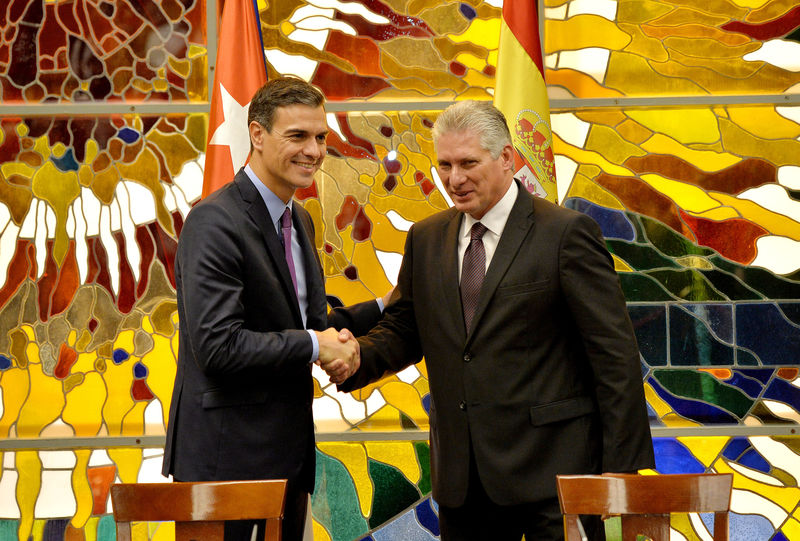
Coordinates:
(281, 92)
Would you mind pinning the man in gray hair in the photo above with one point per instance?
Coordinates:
(533, 364)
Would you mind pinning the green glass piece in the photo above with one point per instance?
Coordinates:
(693, 344)
(393, 493)
(669, 241)
(687, 284)
(334, 503)
(768, 284)
(642, 288)
(423, 451)
(705, 387)
(746, 358)
(730, 286)
(106, 529)
(640, 257)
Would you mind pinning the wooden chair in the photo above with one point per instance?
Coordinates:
(644, 502)
(199, 510)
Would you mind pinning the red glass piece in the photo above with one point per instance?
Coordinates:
(336, 84)
(100, 480)
(146, 248)
(351, 273)
(457, 68)
(98, 265)
(126, 298)
(390, 183)
(307, 193)
(734, 239)
(66, 358)
(68, 282)
(166, 246)
(46, 283)
(362, 52)
(352, 138)
(18, 269)
(9, 148)
(362, 226)
(789, 374)
(775, 28)
(140, 390)
(427, 186)
(337, 147)
(347, 213)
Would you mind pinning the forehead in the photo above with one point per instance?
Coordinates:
(459, 145)
(300, 117)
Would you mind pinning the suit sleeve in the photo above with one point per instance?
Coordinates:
(394, 343)
(593, 293)
(212, 290)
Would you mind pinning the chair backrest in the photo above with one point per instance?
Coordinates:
(199, 510)
(644, 501)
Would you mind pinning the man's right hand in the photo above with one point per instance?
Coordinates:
(337, 357)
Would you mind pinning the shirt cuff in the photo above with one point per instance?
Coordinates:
(315, 346)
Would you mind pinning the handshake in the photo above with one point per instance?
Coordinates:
(339, 354)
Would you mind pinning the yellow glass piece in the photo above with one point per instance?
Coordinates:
(718, 214)
(15, 385)
(59, 189)
(385, 418)
(413, 52)
(775, 223)
(705, 449)
(634, 132)
(163, 531)
(118, 379)
(643, 44)
(606, 118)
(791, 528)
(197, 130)
(786, 497)
(582, 156)
(197, 82)
(22, 129)
(128, 462)
(162, 366)
(370, 271)
(90, 529)
(384, 235)
(320, 533)
(694, 262)
(687, 196)
(43, 403)
(583, 31)
(480, 31)
(405, 398)
(162, 317)
(435, 83)
(175, 148)
(348, 291)
(83, 405)
(29, 469)
(133, 422)
(84, 502)
(608, 141)
(684, 125)
(104, 184)
(400, 454)
(141, 85)
(443, 19)
(17, 168)
(679, 16)
(620, 265)
(715, 73)
(768, 12)
(85, 175)
(354, 458)
(706, 160)
(180, 66)
(634, 75)
(42, 146)
(578, 83)
(642, 11)
(591, 191)
(422, 385)
(738, 141)
(365, 392)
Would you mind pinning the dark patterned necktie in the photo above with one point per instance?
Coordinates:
(472, 271)
(286, 240)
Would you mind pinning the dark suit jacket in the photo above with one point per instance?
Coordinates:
(547, 381)
(241, 406)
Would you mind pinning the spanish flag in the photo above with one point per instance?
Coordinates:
(240, 71)
(521, 94)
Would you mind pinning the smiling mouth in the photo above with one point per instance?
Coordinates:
(306, 165)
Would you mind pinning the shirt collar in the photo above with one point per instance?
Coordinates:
(496, 217)
(274, 204)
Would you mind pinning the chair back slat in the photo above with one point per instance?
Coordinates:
(198, 509)
(645, 502)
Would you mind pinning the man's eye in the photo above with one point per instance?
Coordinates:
(321, 138)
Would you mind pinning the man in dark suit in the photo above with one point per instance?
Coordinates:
(253, 314)
(533, 368)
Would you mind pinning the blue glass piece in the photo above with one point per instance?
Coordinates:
(367, 538)
(405, 527)
(764, 375)
(791, 311)
(779, 537)
(139, 370)
(128, 135)
(426, 516)
(54, 529)
(762, 329)
(745, 384)
(752, 459)
(673, 457)
(752, 528)
(120, 356)
(735, 448)
(719, 318)
(692, 343)
(5, 362)
(67, 162)
(783, 391)
(614, 223)
(426, 403)
(693, 409)
(467, 11)
(650, 326)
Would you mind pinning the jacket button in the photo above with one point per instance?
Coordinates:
(463, 406)
(467, 357)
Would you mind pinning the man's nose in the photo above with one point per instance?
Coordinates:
(314, 148)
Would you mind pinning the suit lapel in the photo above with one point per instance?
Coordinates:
(449, 273)
(258, 212)
(519, 223)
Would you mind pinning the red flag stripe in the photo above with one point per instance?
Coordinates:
(522, 17)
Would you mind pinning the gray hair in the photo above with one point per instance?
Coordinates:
(480, 117)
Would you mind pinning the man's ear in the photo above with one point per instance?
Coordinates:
(507, 155)
(257, 132)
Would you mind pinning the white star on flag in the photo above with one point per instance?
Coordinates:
(233, 130)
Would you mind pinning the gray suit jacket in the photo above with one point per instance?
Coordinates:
(241, 405)
(547, 381)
